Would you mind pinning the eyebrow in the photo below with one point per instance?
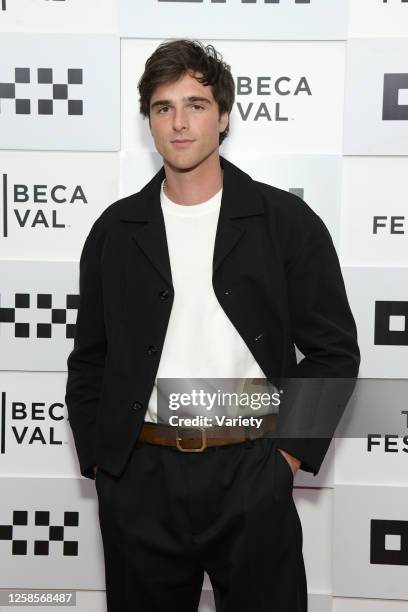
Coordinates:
(185, 99)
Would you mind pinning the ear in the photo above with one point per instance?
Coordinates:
(223, 121)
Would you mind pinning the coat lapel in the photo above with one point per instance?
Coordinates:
(239, 199)
(149, 233)
(151, 238)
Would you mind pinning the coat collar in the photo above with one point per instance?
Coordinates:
(240, 198)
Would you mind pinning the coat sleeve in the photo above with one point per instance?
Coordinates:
(324, 330)
(86, 362)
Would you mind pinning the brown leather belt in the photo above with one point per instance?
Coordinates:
(196, 439)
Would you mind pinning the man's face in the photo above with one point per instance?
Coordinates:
(185, 122)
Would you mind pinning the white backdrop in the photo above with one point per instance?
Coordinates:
(321, 110)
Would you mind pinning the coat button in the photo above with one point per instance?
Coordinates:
(164, 295)
(257, 338)
(152, 349)
(227, 292)
(137, 405)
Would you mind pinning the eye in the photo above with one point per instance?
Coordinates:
(162, 108)
(198, 106)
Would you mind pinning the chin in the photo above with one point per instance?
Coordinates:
(178, 163)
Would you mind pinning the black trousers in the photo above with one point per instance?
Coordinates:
(228, 510)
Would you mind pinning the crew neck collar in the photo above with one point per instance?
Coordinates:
(190, 210)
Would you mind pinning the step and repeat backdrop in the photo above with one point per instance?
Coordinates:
(321, 110)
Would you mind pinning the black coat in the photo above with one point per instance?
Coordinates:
(275, 274)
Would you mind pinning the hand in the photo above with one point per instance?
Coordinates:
(294, 462)
(95, 469)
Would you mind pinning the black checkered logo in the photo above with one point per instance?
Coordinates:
(56, 533)
(58, 316)
(388, 542)
(391, 323)
(392, 110)
(57, 91)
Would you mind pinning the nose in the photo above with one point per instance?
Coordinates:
(180, 121)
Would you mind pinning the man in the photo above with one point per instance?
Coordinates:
(203, 273)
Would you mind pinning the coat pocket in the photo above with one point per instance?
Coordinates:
(283, 480)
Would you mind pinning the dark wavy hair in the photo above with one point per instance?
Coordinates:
(172, 59)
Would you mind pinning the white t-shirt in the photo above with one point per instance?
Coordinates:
(201, 341)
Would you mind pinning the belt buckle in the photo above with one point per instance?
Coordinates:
(191, 450)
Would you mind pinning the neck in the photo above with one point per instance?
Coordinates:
(194, 185)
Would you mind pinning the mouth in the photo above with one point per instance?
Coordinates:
(181, 143)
